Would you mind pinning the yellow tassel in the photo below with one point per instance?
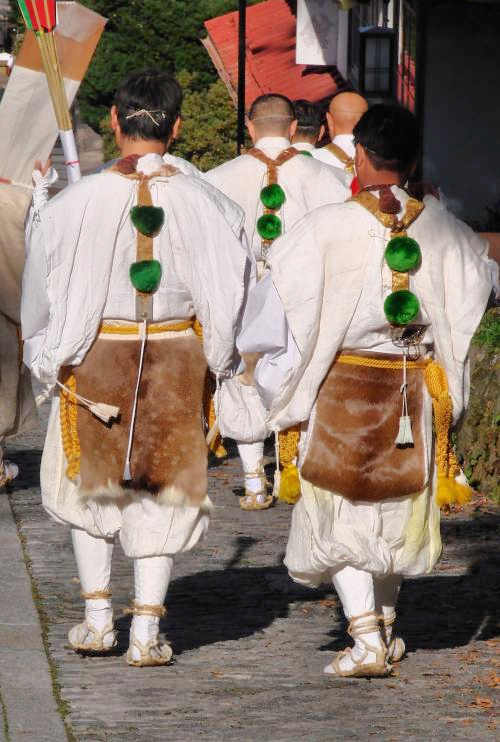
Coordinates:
(289, 489)
(451, 492)
(68, 413)
(289, 484)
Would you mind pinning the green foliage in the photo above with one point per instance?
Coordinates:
(109, 148)
(488, 333)
(208, 135)
(147, 33)
(477, 437)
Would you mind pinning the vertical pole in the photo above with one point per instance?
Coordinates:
(242, 22)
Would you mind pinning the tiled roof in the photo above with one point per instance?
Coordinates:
(270, 63)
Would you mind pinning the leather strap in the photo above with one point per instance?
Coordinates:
(273, 165)
(347, 162)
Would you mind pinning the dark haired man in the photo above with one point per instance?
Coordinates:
(309, 126)
(303, 184)
(116, 273)
(381, 296)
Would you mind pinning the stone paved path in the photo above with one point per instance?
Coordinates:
(250, 645)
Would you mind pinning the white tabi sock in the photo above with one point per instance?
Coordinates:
(355, 589)
(93, 559)
(152, 576)
(252, 460)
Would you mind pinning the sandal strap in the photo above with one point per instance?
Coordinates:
(138, 609)
(365, 623)
(388, 618)
(97, 595)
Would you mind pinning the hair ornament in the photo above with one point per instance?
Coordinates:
(144, 112)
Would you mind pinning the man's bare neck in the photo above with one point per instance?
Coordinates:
(379, 177)
(142, 147)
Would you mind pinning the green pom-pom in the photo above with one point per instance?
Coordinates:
(269, 226)
(305, 152)
(145, 275)
(273, 196)
(401, 307)
(403, 254)
(147, 220)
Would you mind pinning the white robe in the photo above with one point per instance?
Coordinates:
(77, 274)
(331, 279)
(307, 184)
(17, 405)
(345, 142)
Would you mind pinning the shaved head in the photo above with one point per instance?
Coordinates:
(344, 112)
(271, 115)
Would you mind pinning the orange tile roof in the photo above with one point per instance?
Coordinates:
(270, 63)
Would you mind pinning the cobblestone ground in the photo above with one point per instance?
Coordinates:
(250, 645)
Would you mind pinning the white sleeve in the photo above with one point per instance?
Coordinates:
(40, 198)
(468, 285)
(265, 330)
(35, 305)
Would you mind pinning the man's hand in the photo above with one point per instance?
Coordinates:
(250, 360)
(43, 169)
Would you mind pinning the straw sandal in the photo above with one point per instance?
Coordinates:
(8, 472)
(396, 648)
(155, 652)
(260, 500)
(361, 668)
(101, 641)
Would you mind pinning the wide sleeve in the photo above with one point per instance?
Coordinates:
(217, 270)
(265, 331)
(330, 186)
(35, 305)
(468, 285)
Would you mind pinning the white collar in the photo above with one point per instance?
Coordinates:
(149, 163)
(304, 146)
(272, 145)
(346, 142)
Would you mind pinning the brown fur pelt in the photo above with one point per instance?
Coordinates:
(169, 453)
(352, 450)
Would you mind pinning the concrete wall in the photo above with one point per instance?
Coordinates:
(462, 104)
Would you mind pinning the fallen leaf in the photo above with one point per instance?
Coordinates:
(492, 680)
(480, 702)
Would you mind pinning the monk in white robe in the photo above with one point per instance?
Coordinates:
(310, 128)
(306, 184)
(17, 405)
(343, 114)
(370, 298)
(118, 268)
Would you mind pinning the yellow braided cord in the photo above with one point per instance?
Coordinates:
(449, 491)
(379, 362)
(289, 489)
(108, 328)
(400, 281)
(68, 413)
(198, 329)
(216, 445)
